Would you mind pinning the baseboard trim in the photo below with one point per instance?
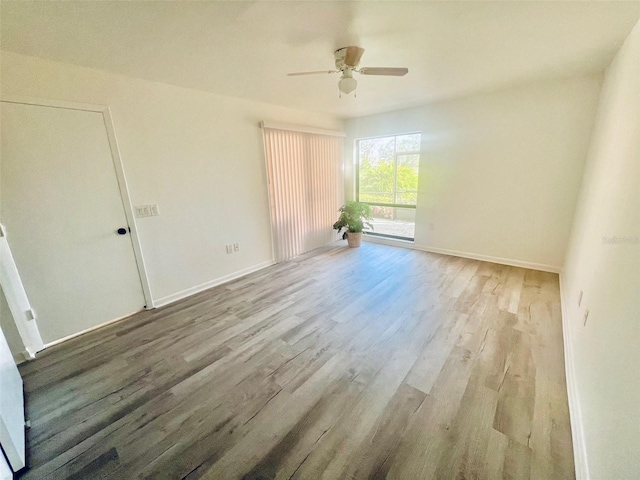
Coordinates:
(22, 357)
(456, 253)
(575, 411)
(166, 300)
(87, 330)
(174, 297)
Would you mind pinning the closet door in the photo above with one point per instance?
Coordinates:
(65, 218)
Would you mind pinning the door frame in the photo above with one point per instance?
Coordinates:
(123, 187)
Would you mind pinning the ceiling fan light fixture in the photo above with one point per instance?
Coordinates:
(347, 61)
(347, 85)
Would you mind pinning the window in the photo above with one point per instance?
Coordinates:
(387, 179)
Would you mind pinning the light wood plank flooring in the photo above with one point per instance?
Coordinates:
(377, 362)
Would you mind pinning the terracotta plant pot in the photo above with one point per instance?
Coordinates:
(354, 239)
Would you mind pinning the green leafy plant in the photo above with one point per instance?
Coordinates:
(354, 218)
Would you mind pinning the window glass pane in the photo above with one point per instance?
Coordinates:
(407, 198)
(376, 150)
(407, 179)
(376, 197)
(376, 178)
(393, 222)
(408, 143)
(388, 174)
(412, 161)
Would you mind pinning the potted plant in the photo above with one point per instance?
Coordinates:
(354, 218)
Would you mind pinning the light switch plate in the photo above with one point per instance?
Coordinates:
(143, 211)
(154, 209)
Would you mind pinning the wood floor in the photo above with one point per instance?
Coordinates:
(377, 362)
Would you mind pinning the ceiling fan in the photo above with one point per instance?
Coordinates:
(347, 61)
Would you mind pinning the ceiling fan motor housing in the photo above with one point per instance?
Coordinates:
(340, 56)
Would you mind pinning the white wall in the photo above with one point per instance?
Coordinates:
(198, 155)
(606, 351)
(499, 172)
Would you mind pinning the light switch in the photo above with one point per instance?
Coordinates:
(143, 211)
(154, 209)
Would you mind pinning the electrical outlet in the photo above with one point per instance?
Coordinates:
(586, 315)
(236, 247)
(229, 248)
(580, 298)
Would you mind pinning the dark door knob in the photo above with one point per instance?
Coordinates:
(122, 231)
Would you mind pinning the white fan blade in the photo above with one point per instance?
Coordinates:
(311, 73)
(352, 56)
(394, 72)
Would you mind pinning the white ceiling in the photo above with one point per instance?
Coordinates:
(244, 49)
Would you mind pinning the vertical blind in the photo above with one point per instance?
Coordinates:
(305, 189)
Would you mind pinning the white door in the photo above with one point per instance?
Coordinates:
(62, 209)
(5, 471)
(11, 411)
